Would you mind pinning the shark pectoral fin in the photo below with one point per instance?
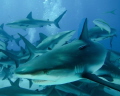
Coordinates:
(107, 77)
(29, 16)
(94, 78)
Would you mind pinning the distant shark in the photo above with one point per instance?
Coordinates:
(4, 35)
(15, 90)
(84, 88)
(76, 60)
(102, 24)
(111, 12)
(29, 22)
(96, 34)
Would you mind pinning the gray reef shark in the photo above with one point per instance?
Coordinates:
(76, 60)
(15, 90)
(102, 24)
(48, 43)
(29, 22)
(4, 35)
(96, 34)
(111, 12)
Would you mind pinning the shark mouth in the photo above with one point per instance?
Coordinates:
(41, 81)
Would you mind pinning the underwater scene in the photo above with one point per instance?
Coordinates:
(59, 48)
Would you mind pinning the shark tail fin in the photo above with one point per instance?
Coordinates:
(1, 26)
(56, 21)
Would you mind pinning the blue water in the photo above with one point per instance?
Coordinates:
(12, 10)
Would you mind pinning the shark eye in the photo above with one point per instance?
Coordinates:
(83, 47)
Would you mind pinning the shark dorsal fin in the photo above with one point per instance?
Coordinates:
(84, 33)
(42, 36)
(29, 16)
(1, 26)
(16, 83)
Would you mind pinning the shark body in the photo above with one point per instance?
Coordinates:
(33, 23)
(15, 90)
(102, 24)
(70, 61)
(96, 34)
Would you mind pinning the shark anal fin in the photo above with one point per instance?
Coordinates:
(94, 78)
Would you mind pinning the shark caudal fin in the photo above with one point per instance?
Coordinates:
(56, 21)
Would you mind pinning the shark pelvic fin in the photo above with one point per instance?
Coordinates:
(56, 21)
(29, 16)
(94, 78)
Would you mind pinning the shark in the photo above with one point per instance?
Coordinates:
(113, 56)
(42, 37)
(48, 43)
(56, 40)
(4, 35)
(109, 72)
(30, 22)
(16, 90)
(111, 12)
(96, 34)
(77, 60)
(102, 24)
